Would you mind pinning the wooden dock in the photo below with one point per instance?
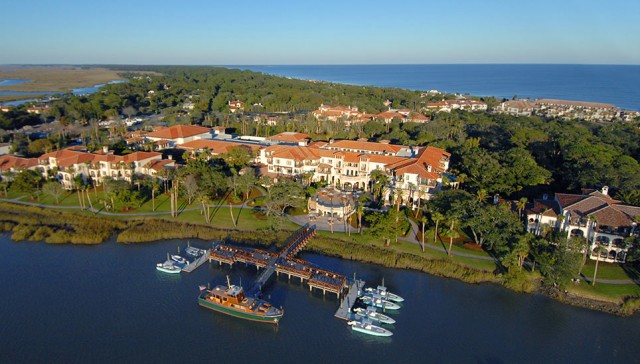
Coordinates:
(196, 263)
(347, 302)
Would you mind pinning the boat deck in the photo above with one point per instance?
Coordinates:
(344, 311)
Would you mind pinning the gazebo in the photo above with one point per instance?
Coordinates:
(330, 201)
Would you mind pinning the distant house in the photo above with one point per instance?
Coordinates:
(516, 107)
(38, 109)
(236, 105)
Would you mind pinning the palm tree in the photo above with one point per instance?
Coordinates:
(596, 250)
(154, 188)
(520, 205)
(453, 234)
(436, 216)
(420, 193)
(360, 212)
(423, 221)
(481, 195)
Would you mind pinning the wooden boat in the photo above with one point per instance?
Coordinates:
(231, 300)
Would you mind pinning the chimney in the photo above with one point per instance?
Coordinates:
(170, 156)
(605, 190)
(105, 149)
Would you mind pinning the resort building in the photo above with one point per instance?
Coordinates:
(176, 135)
(516, 108)
(460, 104)
(290, 138)
(216, 147)
(566, 109)
(11, 164)
(67, 164)
(592, 215)
(411, 177)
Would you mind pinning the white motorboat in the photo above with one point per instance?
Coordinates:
(373, 315)
(377, 301)
(194, 251)
(179, 259)
(365, 326)
(382, 291)
(168, 267)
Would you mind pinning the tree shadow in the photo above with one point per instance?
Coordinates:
(632, 272)
(160, 202)
(64, 198)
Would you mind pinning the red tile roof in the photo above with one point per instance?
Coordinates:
(289, 137)
(217, 146)
(8, 162)
(179, 131)
(357, 146)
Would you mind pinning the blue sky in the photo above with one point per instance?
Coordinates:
(319, 32)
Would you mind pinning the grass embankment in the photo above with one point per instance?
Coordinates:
(402, 255)
(37, 224)
(159, 229)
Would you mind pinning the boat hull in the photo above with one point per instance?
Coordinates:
(170, 271)
(243, 315)
(378, 332)
(383, 319)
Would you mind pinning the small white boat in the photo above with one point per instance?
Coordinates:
(179, 259)
(382, 291)
(377, 301)
(373, 315)
(168, 267)
(194, 251)
(365, 326)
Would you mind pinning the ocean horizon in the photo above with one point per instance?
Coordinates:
(612, 84)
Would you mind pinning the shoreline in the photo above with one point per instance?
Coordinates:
(26, 223)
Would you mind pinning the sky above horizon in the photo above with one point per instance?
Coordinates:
(329, 32)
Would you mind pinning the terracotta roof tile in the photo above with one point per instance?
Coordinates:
(179, 131)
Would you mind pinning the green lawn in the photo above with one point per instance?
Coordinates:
(608, 270)
(608, 292)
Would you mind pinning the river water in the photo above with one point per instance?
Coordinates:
(107, 303)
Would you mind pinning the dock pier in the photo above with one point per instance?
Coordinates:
(196, 263)
(347, 302)
(282, 262)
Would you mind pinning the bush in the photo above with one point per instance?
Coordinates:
(520, 282)
(630, 306)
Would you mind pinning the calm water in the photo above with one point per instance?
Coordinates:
(617, 85)
(76, 91)
(12, 82)
(107, 303)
